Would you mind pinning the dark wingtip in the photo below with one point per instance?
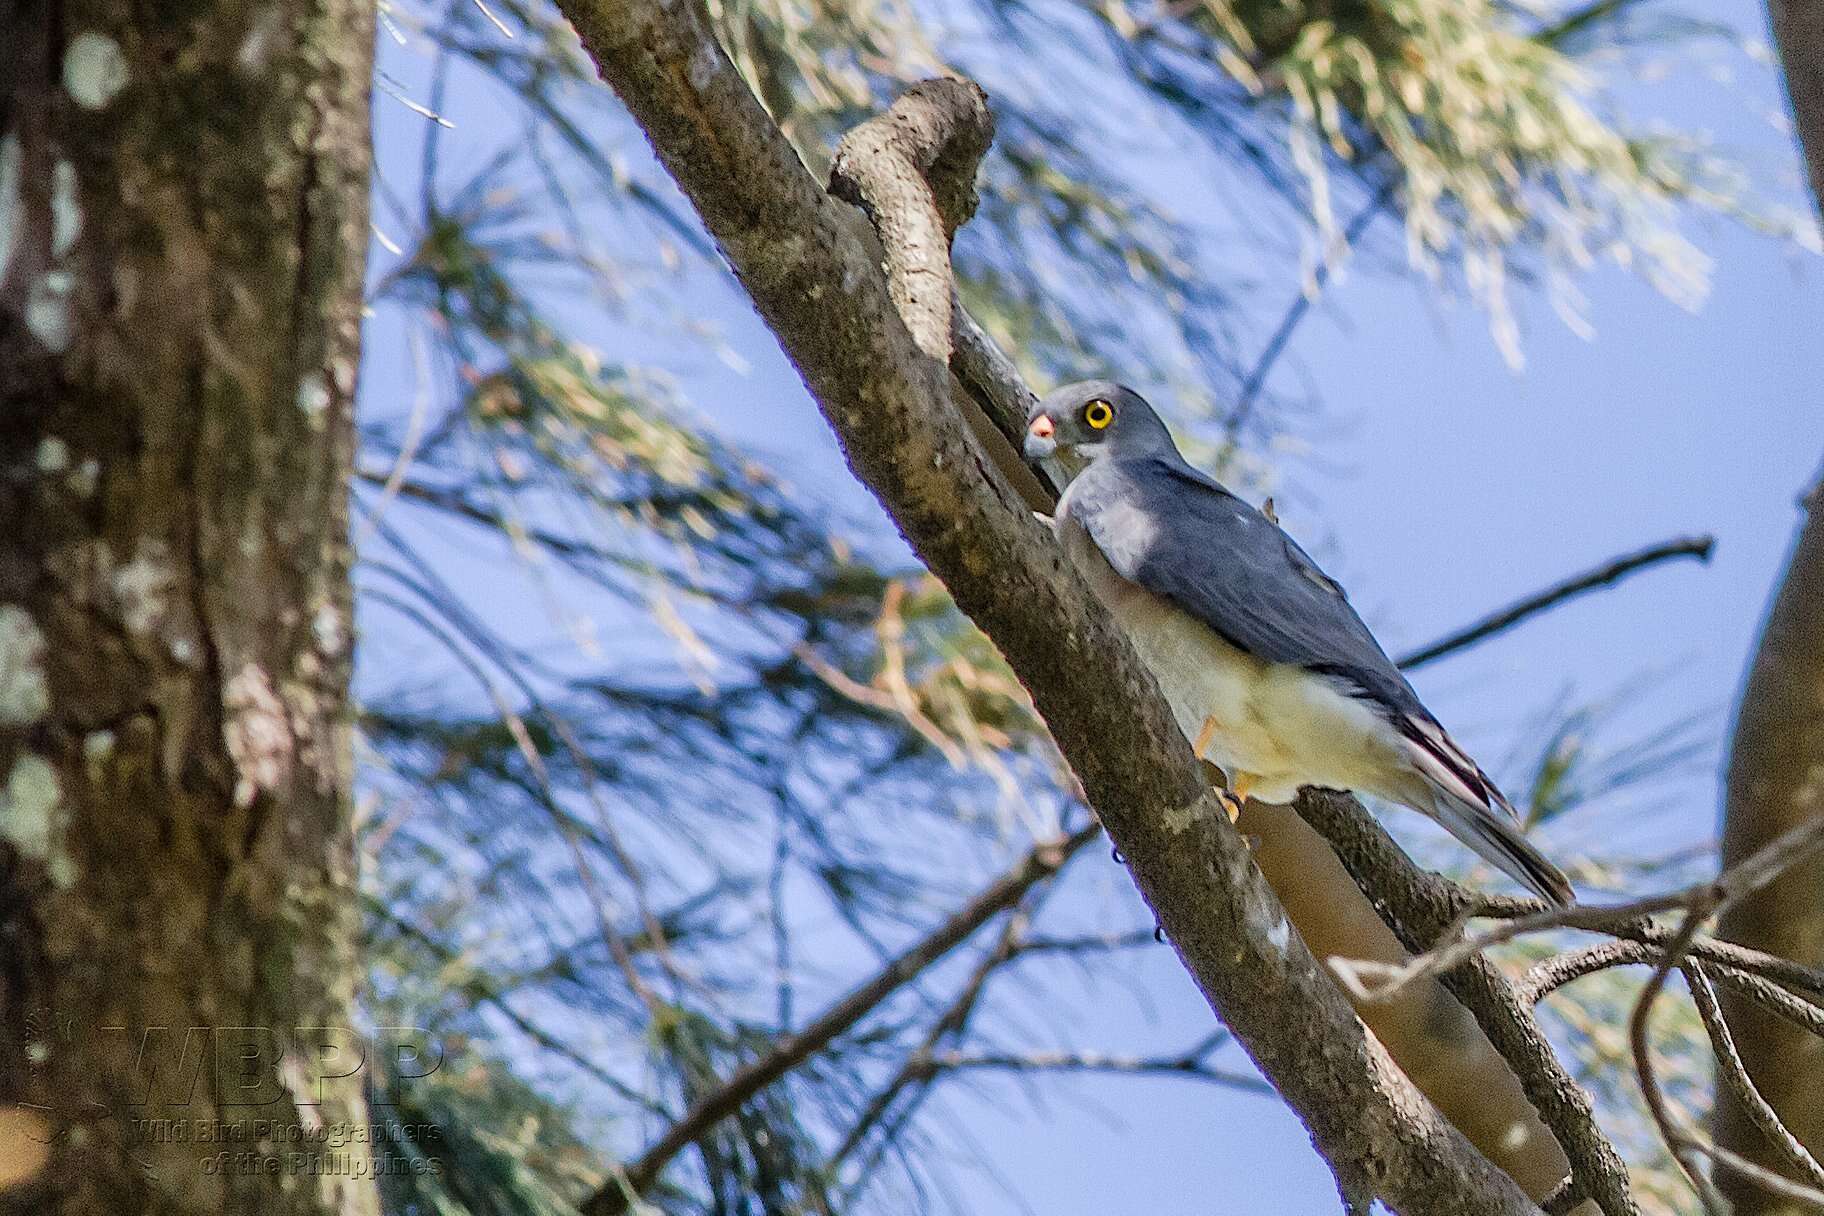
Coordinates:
(1547, 880)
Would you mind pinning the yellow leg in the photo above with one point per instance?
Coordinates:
(1204, 736)
(1236, 794)
(1239, 783)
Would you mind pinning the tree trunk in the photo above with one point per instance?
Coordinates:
(1776, 760)
(1775, 782)
(183, 218)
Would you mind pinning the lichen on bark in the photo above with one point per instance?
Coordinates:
(185, 192)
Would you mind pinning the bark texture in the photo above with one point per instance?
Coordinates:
(821, 290)
(183, 218)
(1798, 31)
(1430, 1035)
(1776, 761)
(1776, 782)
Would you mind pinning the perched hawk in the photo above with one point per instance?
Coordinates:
(1267, 668)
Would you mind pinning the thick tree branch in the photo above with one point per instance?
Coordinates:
(1798, 31)
(912, 170)
(1421, 908)
(889, 402)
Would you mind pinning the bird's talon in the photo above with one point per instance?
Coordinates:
(1159, 933)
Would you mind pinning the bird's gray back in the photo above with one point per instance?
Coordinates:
(1176, 532)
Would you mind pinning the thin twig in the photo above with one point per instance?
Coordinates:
(1040, 863)
(1189, 1066)
(1610, 572)
(1745, 877)
(1749, 978)
(1734, 1074)
(1375, 981)
(1672, 1130)
(1685, 1145)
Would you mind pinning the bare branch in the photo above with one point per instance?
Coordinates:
(1605, 575)
(1376, 982)
(636, 1177)
(1686, 1145)
(990, 376)
(1748, 982)
(1699, 903)
(950, 1023)
(1735, 1075)
(1189, 1066)
(912, 170)
(1735, 883)
(1672, 1129)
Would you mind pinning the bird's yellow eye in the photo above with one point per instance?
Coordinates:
(1099, 414)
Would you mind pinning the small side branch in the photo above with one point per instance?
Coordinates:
(1458, 950)
(638, 1176)
(912, 170)
(1607, 574)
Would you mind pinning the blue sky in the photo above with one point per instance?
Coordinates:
(1446, 485)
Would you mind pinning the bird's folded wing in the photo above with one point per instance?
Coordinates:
(1177, 533)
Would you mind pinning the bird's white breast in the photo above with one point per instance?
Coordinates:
(1285, 726)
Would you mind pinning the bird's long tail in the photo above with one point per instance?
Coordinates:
(1469, 806)
(1500, 843)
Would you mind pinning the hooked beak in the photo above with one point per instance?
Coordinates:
(1041, 438)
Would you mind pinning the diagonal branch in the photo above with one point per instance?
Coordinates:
(915, 1068)
(1191, 1066)
(638, 1176)
(1773, 782)
(1420, 908)
(1607, 574)
(815, 283)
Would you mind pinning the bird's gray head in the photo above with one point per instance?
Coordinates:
(1091, 418)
